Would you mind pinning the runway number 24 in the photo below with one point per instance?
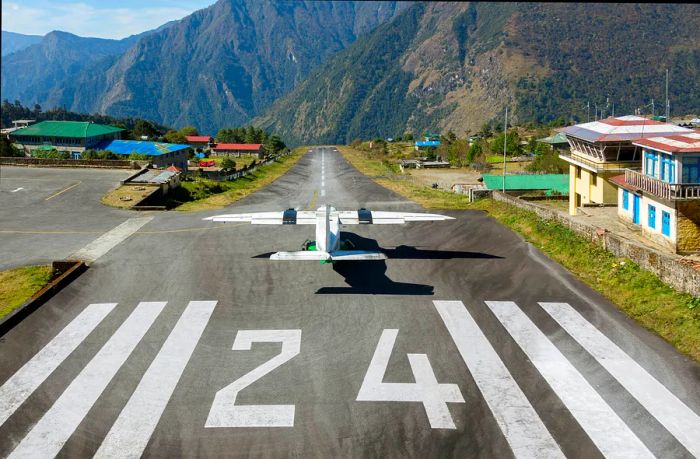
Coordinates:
(434, 396)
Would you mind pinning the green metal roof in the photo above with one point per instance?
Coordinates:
(555, 139)
(551, 182)
(80, 129)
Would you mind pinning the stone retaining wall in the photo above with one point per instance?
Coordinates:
(668, 267)
(96, 163)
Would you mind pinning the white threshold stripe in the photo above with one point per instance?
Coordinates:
(682, 422)
(136, 423)
(33, 373)
(57, 425)
(523, 429)
(604, 427)
(110, 239)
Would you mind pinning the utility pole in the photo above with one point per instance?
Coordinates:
(613, 110)
(668, 107)
(505, 143)
(588, 111)
(653, 113)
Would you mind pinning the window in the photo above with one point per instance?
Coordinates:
(594, 176)
(650, 164)
(652, 217)
(665, 223)
(691, 170)
(578, 172)
(625, 199)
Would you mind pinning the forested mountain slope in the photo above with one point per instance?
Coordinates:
(456, 65)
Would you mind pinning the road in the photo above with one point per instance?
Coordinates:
(184, 339)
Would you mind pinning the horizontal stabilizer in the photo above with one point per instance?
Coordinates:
(343, 255)
(302, 255)
(338, 255)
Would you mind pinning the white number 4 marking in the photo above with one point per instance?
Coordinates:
(426, 389)
(225, 413)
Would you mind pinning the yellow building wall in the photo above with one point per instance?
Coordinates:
(593, 188)
(688, 227)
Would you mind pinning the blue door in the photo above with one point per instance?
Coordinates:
(636, 204)
(665, 223)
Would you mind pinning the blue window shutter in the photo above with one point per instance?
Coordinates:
(625, 199)
(652, 217)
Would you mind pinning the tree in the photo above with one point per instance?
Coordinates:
(228, 164)
(173, 136)
(408, 137)
(475, 151)
(188, 130)
(513, 146)
(144, 128)
(7, 149)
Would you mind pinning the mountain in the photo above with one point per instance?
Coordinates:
(440, 66)
(12, 41)
(222, 65)
(31, 74)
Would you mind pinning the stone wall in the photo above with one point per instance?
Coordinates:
(688, 227)
(97, 163)
(667, 267)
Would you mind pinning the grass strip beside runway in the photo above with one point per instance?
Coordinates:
(19, 284)
(208, 194)
(639, 293)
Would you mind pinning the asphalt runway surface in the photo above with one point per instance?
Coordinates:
(183, 339)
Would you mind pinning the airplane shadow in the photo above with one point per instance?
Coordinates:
(369, 277)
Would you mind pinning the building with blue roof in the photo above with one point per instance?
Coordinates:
(159, 153)
(427, 143)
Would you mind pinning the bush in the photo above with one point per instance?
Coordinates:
(138, 157)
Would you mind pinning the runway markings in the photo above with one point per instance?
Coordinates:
(426, 389)
(110, 239)
(21, 385)
(590, 410)
(137, 421)
(57, 425)
(225, 413)
(673, 414)
(520, 424)
(63, 191)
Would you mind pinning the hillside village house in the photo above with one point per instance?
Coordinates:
(601, 149)
(238, 149)
(664, 197)
(73, 137)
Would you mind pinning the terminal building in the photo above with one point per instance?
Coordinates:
(73, 137)
(663, 198)
(604, 148)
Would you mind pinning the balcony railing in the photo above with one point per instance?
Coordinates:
(607, 166)
(669, 191)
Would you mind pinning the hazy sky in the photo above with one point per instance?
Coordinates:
(94, 18)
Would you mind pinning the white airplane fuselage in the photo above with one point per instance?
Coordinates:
(327, 229)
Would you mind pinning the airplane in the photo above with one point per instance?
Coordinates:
(328, 246)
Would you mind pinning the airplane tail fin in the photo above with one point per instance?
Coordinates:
(337, 255)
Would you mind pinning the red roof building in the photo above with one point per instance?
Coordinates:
(199, 139)
(239, 149)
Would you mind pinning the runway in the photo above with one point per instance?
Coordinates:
(184, 339)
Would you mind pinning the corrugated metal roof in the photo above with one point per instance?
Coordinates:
(623, 128)
(238, 146)
(427, 143)
(197, 138)
(142, 147)
(79, 129)
(555, 139)
(553, 182)
(154, 176)
(684, 143)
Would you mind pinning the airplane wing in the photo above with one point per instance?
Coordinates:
(378, 217)
(286, 217)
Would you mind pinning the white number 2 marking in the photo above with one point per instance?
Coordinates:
(426, 389)
(225, 413)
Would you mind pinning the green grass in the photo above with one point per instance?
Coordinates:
(643, 296)
(640, 294)
(203, 194)
(18, 285)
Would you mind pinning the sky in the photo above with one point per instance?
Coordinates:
(94, 18)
